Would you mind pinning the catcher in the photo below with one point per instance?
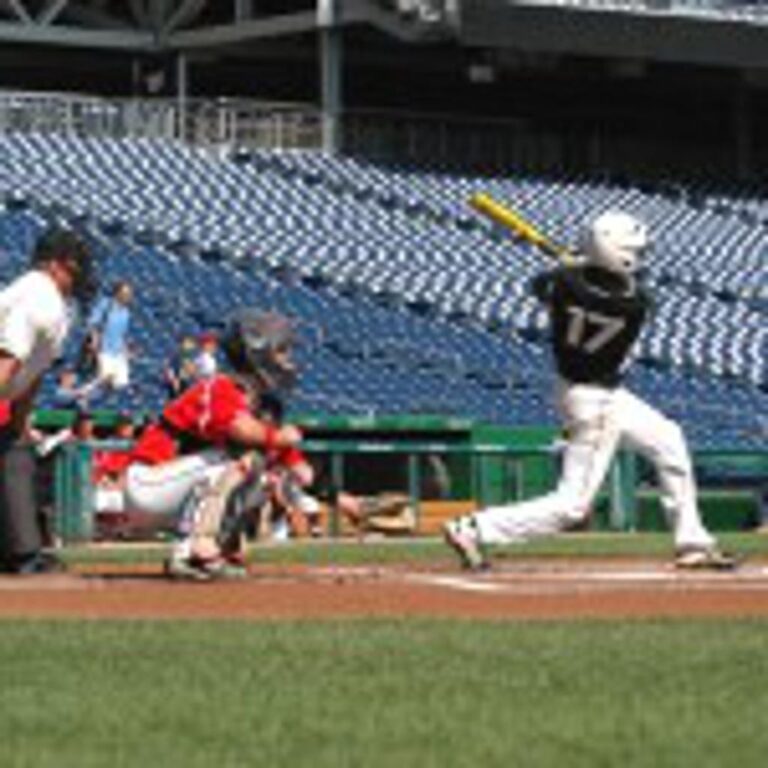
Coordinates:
(208, 443)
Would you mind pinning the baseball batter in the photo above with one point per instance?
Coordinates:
(597, 308)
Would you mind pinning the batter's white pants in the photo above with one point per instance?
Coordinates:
(597, 421)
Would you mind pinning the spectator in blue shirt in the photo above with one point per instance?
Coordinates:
(69, 394)
(108, 327)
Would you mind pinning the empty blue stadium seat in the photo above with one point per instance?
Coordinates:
(412, 300)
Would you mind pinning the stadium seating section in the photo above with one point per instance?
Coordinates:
(405, 300)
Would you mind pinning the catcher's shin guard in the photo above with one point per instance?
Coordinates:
(241, 518)
(210, 506)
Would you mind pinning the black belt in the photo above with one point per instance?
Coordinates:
(607, 382)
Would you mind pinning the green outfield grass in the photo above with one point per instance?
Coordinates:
(384, 693)
(420, 551)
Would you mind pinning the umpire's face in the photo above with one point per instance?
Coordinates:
(66, 274)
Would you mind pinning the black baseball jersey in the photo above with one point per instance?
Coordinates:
(596, 317)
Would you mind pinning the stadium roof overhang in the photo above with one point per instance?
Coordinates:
(541, 26)
(659, 31)
(162, 25)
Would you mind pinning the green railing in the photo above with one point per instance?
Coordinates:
(488, 482)
(74, 492)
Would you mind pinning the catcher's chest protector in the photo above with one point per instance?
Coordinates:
(19, 529)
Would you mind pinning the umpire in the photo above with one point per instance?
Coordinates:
(36, 312)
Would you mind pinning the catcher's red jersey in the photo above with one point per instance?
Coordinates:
(203, 415)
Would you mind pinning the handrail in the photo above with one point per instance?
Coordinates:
(372, 447)
(75, 492)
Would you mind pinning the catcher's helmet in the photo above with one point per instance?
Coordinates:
(68, 247)
(258, 345)
(615, 240)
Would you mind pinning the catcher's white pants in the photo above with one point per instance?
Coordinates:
(175, 488)
(597, 421)
(163, 489)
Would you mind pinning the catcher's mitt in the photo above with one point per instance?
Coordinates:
(390, 513)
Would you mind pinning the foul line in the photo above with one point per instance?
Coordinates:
(754, 579)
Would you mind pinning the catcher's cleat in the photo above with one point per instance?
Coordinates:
(205, 569)
(230, 566)
(461, 535)
(705, 558)
(185, 569)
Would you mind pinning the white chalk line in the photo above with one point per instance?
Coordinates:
(754, 579)
(46, 583)
(462, 583)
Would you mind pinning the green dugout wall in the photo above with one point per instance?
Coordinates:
(455, 459)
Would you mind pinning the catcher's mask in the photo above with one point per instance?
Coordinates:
(259, 346)
(66, 247)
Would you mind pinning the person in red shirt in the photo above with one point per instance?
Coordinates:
(209, 441)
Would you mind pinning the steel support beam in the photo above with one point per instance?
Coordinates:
(51, 12)
(76, 37)
(140, 13)
(350, 12)
(243, 10)
(20, 10)
(228, 34)
(94, 18)
(158, 13)
(186, 12)
(331, 73)
(160, 20)
(182, 94)
(366, 12)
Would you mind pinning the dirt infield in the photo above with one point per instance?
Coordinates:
(536, 589)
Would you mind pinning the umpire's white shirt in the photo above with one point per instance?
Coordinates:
(34, 323)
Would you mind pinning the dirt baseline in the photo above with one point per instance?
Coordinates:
(526, 590)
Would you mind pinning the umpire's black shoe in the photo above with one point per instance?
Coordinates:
(37, 563)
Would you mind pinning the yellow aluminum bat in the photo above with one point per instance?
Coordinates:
(506, 217)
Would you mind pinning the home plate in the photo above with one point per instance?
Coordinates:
(464, 583)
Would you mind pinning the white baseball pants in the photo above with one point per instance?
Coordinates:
(597, 421)
(175, 488)
(162, 489)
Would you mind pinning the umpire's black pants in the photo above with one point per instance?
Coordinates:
(20, 529)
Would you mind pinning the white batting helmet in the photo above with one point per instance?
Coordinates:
(614, 241)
